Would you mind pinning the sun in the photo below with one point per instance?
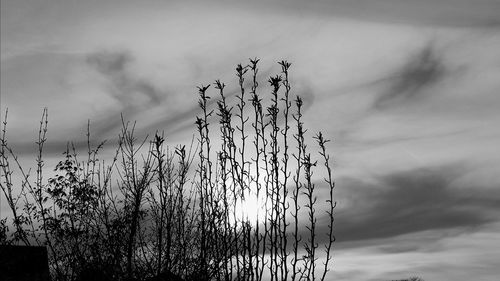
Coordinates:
(251, 207)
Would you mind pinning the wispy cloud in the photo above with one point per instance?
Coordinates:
(412, 201)
(132, 94)
(127, 90)
(414, 79)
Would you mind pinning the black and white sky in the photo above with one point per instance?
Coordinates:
(409, 91)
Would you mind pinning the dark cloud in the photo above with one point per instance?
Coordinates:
(410, 201)
(130, 91)
(109, 63)
(413, 79)
(123, 85)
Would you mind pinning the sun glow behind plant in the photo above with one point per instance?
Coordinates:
(251, 207)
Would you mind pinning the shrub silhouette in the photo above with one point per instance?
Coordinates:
(156, 212)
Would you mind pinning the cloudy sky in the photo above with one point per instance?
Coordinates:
(408, 90)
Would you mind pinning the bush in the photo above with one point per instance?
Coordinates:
(157, 211)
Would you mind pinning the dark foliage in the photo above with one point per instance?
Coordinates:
(159, 213)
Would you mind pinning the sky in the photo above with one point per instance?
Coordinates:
(409, 92)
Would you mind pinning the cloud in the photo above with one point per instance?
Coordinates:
(414, 79)
(137, 97)
(128, 89)
(411, 201)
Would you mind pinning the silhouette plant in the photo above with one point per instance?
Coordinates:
(147, 213)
